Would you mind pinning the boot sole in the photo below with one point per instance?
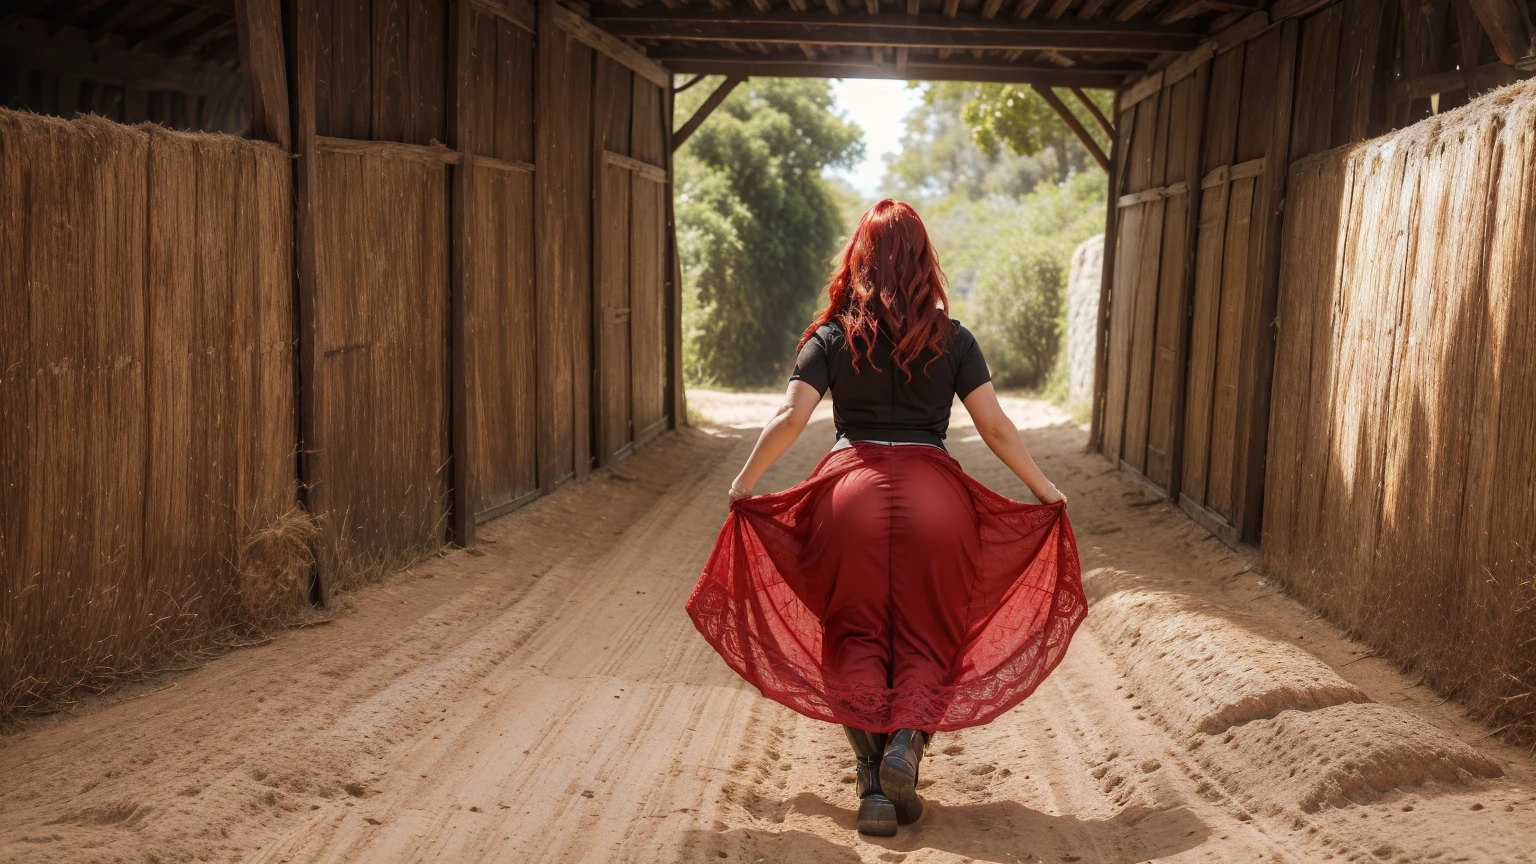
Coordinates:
(909, 811)
(877, 816)
(898, 780)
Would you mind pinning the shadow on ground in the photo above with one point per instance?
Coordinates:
(1005, 832)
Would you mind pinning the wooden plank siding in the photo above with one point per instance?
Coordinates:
(512, 105)
(1188, 332)
(382, 273)
(650, 136)
(612, 400)
(501, 344)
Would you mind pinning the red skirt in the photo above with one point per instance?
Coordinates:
(890, 590)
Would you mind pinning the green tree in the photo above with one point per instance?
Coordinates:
(1014, 115)
(940, 157)
(1017, 308)
(757, 224)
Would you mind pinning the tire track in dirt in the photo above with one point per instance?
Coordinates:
(547, 700)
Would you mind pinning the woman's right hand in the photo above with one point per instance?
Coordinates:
(1051, 496)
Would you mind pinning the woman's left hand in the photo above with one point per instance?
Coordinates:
(738, 492)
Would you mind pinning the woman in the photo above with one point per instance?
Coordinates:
(890, 592)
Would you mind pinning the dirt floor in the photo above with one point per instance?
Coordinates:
(545, 698)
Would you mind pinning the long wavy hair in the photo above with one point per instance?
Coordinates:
(888, 281)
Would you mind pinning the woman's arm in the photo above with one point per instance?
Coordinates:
(787, 424)
(1003, 437)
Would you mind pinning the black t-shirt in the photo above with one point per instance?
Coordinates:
(882, 405)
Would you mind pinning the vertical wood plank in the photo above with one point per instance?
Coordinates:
(1359, 56)
(1257, 361)
(429, 66)
(1106, 277)
(464, 105)
(352, 69)
(389, 69)
(304, 30)
(1144, 305)
(1312, 127)
(1181, 219)
(260, 29)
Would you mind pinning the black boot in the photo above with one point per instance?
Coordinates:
(898, 773)
(877, 815)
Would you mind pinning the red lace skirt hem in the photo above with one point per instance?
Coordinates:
(761, 603)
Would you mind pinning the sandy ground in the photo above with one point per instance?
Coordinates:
(545, 698)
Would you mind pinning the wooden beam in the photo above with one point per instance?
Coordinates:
(427, 154)
(677, 404)
(263, 66)
(104, 23)
(1144, 87)
(1258, 333)
(657, 173)
(911, 31)
(607, 42)
(1179, 10)
(1508, 27)
(689, 83)
(518, 12)
(719, 62)
(462, 112)
(1098, 116)
(301, 25)
(681, 135)
(1124, 123)
(1074, 124)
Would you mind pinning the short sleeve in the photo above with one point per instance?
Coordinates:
(811, 365)
(970, 365)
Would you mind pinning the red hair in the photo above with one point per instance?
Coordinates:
(888, 280)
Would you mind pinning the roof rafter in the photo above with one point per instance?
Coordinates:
(714, 61)
(894, 31)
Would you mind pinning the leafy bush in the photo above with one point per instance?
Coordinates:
(757, 225)
(1018, 306)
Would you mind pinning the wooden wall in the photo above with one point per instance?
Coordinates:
(1402, 469)
(381, 433)
(146, 393)
(501, 336)
(462, 348)
(1199, 184)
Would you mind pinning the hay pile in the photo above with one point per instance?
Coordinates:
(146, 390)
(1401, 487)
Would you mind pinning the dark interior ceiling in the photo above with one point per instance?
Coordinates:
(1062, 43)
(198, 31)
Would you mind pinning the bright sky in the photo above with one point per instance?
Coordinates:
(878, 107)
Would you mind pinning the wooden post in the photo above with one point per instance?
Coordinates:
(303, 26)
(460, 119)
(1117, 151)
(1074, 124)
(708, 108)
(1098, 116)
(1202, 85)
(548, 188)
(260, 28)
(1258, 354)
(1508, 27)
(677, 400)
